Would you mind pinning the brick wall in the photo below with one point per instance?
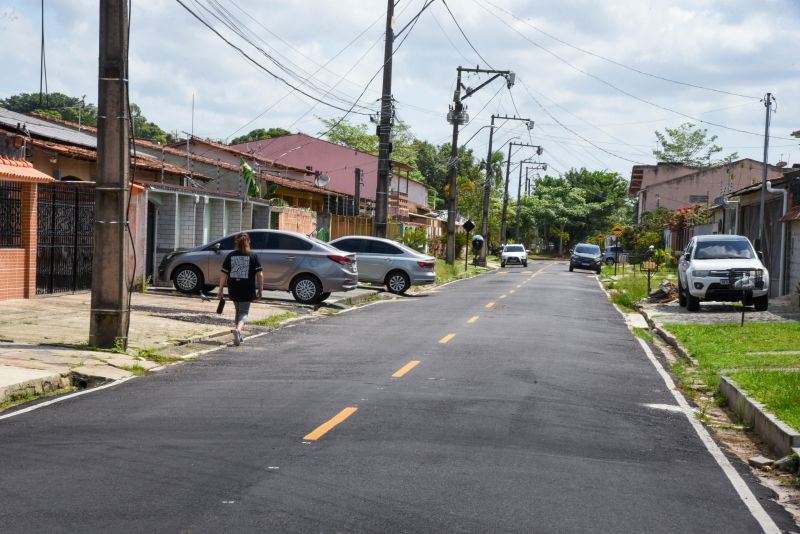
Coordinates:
(297, 220)
(18, 265)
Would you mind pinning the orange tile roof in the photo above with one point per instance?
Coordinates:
(19, 170)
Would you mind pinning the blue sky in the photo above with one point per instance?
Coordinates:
(588, 111)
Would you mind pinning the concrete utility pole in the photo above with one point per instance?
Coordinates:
(385, 131)
(110, 314)
(535, 165)
(760, 238)
(503, 226)
(487, 193)
(458, 116)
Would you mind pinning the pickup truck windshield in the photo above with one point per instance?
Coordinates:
(515, 248)
(720, 250)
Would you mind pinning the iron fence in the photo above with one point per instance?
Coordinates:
(10, 215)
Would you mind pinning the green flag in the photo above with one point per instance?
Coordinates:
(250, 181)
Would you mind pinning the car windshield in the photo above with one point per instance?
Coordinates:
(587, 249)
(727, 249)
(515, 248)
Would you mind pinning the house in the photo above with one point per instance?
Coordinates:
(171, 207)
(738, 213)
(672, 187)
(345, 171)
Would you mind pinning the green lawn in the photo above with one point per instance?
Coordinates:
(445, 273)
(631, 286)
(779, 391)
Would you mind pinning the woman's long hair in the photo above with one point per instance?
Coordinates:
(243, 243)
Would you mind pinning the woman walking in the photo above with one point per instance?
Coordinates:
(241, 271)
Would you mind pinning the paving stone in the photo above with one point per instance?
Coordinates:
(102, 371)
(760, 462)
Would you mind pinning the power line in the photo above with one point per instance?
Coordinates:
(619, 89)
(465, 36)
(618, 63)
(262, 67)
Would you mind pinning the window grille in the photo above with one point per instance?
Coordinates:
(10, 215)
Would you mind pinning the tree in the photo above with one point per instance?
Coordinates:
(354, 136)
(558, 207)
(689, 145)
(606, 197)
(259, 134)
(53, 105)
(144, 129)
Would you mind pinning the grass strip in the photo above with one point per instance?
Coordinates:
(275, 320)
(779, 391)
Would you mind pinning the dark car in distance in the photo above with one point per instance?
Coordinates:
(586, 256)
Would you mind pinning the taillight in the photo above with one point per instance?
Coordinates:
(341, 260)
(426, 264)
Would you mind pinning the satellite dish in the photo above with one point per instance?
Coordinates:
(322, 180)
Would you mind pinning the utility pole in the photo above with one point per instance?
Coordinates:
(487, 192)
(385, 130)
(487, 188)
(503, 226)
(760, 238)
(458, 116)
(357, 194)
(110, 313)
(535, 165)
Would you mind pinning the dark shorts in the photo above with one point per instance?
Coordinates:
(242, 309)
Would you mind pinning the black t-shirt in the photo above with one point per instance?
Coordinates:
(241, 269)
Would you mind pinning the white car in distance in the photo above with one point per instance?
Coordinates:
(514, 254)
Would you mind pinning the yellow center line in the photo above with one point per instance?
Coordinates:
(489, 305)
(447, 338)
(406, 368)
(512, 291)
(503, 296)
(473, 319)
(325, 427)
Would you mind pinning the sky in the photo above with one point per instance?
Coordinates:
(597, 78)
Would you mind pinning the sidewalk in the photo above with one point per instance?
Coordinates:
(44, 341)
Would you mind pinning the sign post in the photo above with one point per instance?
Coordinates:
(617, 230)
(468, 226)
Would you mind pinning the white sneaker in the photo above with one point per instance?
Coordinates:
(237, 338)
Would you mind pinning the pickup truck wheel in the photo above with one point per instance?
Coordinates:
(503, 264)
(188, 279)
(692, 303)
(761, 303)
(681, 295)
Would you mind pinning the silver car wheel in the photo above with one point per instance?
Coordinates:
(187, 280)
(397, 283)
(306, 290)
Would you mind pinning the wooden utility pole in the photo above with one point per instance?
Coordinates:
(110, 313)
(458, 118)
(385, 131)
(764, 170)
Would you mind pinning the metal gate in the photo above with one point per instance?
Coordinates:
(65, 245)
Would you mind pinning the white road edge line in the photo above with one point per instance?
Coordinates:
(736, 480)
(66, 397)
(738, 483)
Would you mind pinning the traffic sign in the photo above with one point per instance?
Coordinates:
(468, 225)
(617, 230)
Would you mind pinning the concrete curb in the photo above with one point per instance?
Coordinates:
(780, 437)
(39, 386)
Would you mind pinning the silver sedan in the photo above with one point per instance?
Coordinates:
(386, 262)
(310, 269)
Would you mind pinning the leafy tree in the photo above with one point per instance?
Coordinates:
(259, 134)
(606, 196)
(355, 136)
(558, 206)
(689, 145)
(54, 105)
(144, 129)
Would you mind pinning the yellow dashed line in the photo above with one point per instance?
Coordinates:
(512, 291)
(488, 306)
(406, 368)
(325, 427)
(447, 338)
(473, 319)
(503, 296)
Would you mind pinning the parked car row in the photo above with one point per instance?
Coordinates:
(308, 268)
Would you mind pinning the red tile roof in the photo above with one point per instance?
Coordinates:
(19, 170)
(792, 215)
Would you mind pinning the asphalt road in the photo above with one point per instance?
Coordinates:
(527, 412)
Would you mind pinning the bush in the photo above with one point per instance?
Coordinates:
(415, 238)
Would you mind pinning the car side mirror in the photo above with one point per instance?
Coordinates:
(216, 248)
